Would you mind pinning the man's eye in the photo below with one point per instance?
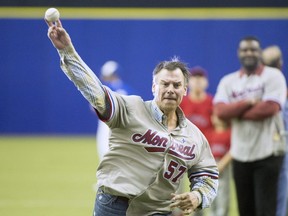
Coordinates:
(250, 49)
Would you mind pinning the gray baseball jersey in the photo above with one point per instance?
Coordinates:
(253, 140)
(146, 162)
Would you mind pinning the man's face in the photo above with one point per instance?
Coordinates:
(168, 89)
(249, 54)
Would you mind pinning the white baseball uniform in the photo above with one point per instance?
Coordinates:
(254, 140)
(146, 162)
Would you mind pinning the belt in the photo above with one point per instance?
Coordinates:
(125, 199)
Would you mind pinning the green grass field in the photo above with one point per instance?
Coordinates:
(50, 176)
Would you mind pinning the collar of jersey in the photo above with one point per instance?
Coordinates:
(158, 114)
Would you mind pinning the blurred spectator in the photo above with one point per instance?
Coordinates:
(111, 78)
(219, 140)
(252, 98)
(197, 105)
(272, 56)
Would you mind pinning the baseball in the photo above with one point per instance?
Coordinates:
(52, 15)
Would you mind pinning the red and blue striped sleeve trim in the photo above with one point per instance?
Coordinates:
(110, 106)
(213, 175)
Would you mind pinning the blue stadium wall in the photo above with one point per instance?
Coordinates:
(37, 98)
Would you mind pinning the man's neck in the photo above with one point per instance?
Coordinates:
(171, 120)
(249, 71)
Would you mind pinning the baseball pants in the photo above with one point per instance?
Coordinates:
(256, 186)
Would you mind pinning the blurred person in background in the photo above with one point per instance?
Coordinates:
(252, 98)
(197, 105)
(219, 141)
(272, 57)
(110, 77)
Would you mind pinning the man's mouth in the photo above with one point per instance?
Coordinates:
(170, 98)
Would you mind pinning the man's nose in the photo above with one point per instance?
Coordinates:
(170, 89)
(249, 52)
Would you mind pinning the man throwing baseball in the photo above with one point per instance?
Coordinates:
(152, 145)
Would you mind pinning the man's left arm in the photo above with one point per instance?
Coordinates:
(203, 191)
(203, 177)
(205, 183)
(261, 110)
(273, 98)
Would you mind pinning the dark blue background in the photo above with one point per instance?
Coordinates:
(37, 98)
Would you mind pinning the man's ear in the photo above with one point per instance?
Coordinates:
(186, 90)
(153, 88)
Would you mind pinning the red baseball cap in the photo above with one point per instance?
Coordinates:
(198, 71)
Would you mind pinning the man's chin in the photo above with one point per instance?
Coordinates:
(250, 67)
(171, 106)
